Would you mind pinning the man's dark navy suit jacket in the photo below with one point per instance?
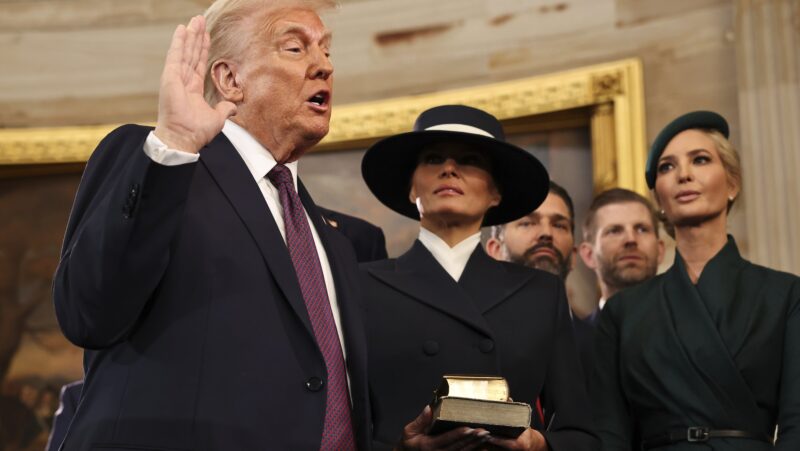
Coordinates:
(177, 282)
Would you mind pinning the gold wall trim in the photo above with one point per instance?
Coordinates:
(614, 89)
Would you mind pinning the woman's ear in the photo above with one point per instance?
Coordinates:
(227, 80)
(495, 194)
(655, 198)
(733, 189)
(412, 195)
(496, 199)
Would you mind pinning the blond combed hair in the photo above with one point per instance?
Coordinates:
(227, 23)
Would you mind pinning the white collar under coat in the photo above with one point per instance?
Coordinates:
(453, 259)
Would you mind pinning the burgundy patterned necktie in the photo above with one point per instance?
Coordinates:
(338, 431)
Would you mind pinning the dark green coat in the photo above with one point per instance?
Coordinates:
(724, 353)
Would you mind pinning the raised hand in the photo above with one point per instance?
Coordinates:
(185, 121)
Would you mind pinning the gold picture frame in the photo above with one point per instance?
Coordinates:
(610, 94)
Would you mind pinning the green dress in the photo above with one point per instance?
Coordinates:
(724, 354)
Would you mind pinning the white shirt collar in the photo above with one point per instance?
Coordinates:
(601, 303)
(453, 259)
(257, 158)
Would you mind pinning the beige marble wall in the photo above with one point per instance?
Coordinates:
(94, 61)
(768, 53)
(97, 61)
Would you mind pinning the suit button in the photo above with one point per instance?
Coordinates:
(486, 346)
(314, 383)
(430, 347)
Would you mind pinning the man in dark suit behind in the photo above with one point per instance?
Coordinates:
(544, 239)
(216, 306)
(367, 239)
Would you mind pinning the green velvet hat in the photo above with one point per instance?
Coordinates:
(707, 120)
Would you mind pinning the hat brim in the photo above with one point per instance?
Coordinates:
(388, 165)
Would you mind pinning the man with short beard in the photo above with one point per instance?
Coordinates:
(620, 242)
(542, 239)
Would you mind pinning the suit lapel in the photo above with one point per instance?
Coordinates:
(420, 276)
(236, 182)
(705, 348)
(728, 300)
(489, 282)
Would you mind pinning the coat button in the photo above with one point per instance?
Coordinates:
(314, 383)
(430, 347)
(486, 345)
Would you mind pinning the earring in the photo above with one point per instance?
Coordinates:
(731, 198)
(662, 212)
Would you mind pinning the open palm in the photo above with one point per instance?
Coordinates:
(185, 120)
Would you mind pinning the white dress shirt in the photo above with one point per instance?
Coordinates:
(259, 161)
(453, 259)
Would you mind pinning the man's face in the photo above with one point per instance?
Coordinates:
(286, 78)
(542, 239)
(625, 250)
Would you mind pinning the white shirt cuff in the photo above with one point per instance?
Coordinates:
(161, 154)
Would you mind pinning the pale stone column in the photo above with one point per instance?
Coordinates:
(768, 72)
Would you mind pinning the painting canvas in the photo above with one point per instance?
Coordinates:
(35, 358)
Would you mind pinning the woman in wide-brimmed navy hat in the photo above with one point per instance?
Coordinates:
(706, 355)
(445, 307)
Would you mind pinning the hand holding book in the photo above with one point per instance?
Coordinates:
(530, 440)
(478, 402)
(416, 436)
(473, 413)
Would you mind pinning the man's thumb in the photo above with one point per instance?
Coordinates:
(225, 108)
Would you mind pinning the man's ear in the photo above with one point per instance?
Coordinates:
(661, 251)
(494, 248)
(227, 80)
(586, 252)
(573, 258)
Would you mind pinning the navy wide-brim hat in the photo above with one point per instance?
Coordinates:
(388, 165)
(707, 120)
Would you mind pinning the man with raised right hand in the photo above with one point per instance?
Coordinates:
(216, 306)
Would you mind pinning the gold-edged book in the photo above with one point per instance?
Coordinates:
(478, 402)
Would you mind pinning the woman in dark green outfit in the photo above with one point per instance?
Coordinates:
(707, 355)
